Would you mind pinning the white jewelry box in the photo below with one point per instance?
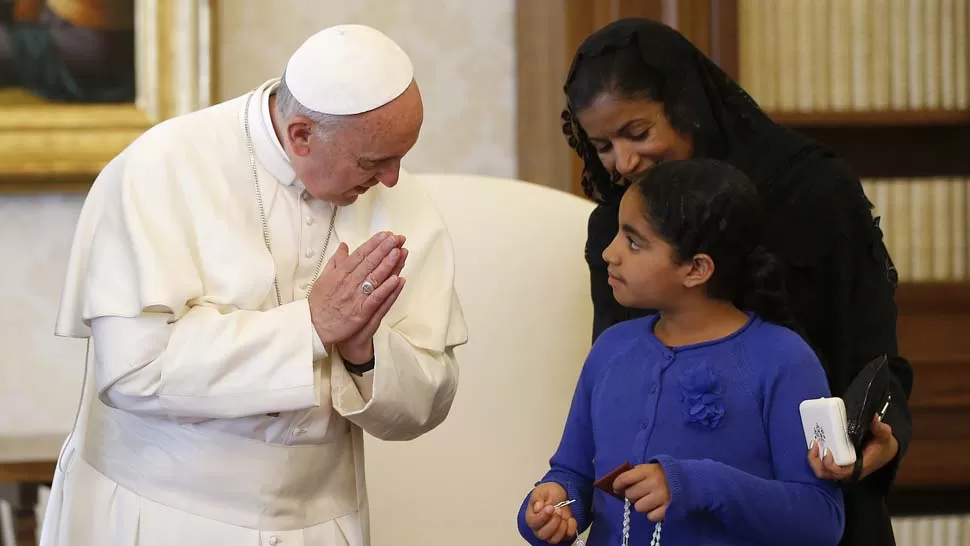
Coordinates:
(824, 421)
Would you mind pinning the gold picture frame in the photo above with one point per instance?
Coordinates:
(56, 147)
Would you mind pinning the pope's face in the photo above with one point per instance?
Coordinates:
(341, 163)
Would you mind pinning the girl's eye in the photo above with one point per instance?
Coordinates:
(633, 245)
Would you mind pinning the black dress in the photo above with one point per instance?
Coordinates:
(839, 276)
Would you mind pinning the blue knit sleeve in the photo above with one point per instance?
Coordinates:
(795, 508)
(572, 464)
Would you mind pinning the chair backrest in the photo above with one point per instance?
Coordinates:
(524, 288)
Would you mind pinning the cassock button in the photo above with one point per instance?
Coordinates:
(300, 431)
(308, 253)
(309, 220)
(274, 540)
(653, 388)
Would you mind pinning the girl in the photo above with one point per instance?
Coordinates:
(702, 397)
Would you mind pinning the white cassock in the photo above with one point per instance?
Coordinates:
(211, 415)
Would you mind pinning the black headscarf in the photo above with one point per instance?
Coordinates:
(793, 173)
(813, 199)
(700, 93)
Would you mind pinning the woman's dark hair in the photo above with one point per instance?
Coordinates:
(708, 206)
(622, 72)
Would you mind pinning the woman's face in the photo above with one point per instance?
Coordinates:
(632, 135)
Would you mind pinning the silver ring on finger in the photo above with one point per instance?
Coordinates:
(367, 287)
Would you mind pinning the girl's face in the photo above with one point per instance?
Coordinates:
(642, 266)
(632, 135)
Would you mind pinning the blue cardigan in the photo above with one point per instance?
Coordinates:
(721, 418)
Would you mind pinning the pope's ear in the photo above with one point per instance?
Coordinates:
(299, 131)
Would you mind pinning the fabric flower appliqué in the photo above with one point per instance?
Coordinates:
(701, 395)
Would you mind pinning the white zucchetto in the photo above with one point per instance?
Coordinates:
(348, 69)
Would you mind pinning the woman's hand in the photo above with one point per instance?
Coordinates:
(877, 453)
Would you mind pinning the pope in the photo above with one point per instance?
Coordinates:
(260, 284)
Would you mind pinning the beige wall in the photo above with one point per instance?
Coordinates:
(463, 56)
(39, 374)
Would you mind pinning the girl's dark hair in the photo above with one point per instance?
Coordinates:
(708, 206)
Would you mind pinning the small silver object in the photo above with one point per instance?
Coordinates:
(654, 540)
(367, 287)
(882, 412)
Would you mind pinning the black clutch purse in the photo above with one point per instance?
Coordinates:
(867, 396)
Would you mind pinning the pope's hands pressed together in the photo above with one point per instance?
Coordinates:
(344, 313)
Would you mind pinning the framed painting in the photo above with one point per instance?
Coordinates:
(81, 79)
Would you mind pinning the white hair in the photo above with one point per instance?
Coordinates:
(287, 107)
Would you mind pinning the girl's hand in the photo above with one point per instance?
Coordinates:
(550, 524)
(646, 487)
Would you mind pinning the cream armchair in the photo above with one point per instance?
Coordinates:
(524, 288)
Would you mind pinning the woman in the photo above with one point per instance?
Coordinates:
(638, 93)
